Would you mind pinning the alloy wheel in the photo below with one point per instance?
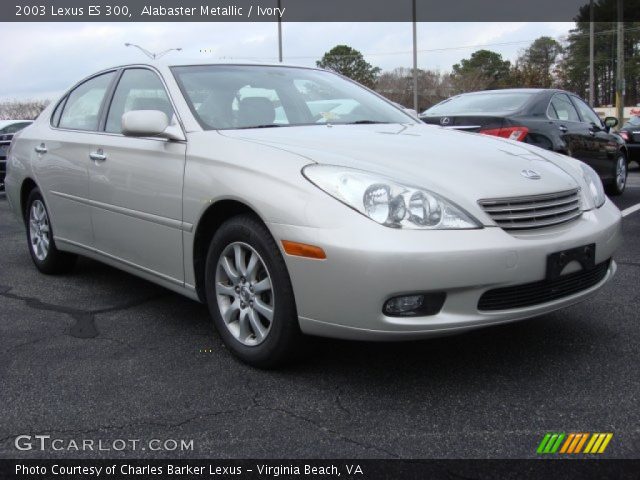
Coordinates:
(39, 231)
(244, 293)
(621, 173)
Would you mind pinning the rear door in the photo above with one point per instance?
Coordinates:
(61, 158)
(136, 183)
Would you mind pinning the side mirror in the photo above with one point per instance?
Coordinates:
(149, 123)
(610, 122)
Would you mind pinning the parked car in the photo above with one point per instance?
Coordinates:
(375, 227)
(630, 132)
(7, 129)
(552, 119)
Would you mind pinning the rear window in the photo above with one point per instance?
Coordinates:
(633, 122)
(481, 103)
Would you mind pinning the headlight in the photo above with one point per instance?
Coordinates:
(387, 202)
(595, 185)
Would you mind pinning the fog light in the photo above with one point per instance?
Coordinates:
(403, 305)
(414, 305)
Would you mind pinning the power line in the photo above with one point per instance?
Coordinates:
(561, 38)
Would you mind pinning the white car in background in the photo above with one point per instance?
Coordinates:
(7, 130)
(370, 227)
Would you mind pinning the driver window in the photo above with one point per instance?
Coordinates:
(587, 114)
(138, 89)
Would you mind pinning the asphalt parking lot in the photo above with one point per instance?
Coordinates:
(99, 354)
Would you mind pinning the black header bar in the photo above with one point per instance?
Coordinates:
(309, 10)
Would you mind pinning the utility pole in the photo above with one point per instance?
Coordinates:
(279, 33)
(592, 81)
(415, 59)
(620, 84)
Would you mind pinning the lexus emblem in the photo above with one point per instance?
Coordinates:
(530, 174)
(445, 121)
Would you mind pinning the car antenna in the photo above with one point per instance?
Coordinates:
(151, 55)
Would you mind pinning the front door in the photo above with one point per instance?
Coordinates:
(136, 184)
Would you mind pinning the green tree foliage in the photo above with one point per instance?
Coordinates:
(575, 64)
(536, 67)
(483, 70)
(350, 63)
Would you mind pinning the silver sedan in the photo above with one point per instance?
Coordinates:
(293, 201)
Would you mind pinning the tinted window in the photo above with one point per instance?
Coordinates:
(82, 110)
(481, 103)
(586, 113)
(14, 127)
(138, 89)
(237, 96)
(562, 108)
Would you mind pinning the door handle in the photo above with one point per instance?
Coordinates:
(98, 156)
(562, 128)
(41, 149)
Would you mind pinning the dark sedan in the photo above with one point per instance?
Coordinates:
(7, 129)
(630, 131)
(548, 118)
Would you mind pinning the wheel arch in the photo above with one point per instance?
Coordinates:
(28, 184)
(211, 219)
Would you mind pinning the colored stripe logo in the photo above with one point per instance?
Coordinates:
(574, 443)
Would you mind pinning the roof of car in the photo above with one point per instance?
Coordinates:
(516, 90)
(177, 61)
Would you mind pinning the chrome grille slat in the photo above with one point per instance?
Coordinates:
(529, 205)
(524, 213)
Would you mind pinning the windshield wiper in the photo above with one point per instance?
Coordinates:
(269, 125)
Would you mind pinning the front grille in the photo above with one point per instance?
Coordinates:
(522, 213)
(529, 294)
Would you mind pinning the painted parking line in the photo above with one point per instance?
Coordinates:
(630, 210)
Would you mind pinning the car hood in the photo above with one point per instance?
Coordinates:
(456, 164)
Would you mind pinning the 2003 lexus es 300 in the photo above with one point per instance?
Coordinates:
(294, 201)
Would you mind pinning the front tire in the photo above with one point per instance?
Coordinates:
(620, 173)
(42, 247)
(249, 294)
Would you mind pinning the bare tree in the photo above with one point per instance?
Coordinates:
(22, 109)
(397, 86)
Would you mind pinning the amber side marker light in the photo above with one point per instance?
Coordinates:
(303, 250)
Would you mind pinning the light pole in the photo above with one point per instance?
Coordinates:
(415, 59)
(620, 66)
(592, 82)
(279, 34)
(151, 55)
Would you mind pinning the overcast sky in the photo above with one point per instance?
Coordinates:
(42, 60)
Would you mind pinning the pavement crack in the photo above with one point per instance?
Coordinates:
(84, 326)
(324, 429)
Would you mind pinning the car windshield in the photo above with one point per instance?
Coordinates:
(633, 122)
(480, 103)
(240, 96)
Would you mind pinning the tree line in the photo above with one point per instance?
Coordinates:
(546, 63)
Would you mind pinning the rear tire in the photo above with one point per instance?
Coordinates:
(42, 247)
(620, 172)
(249, 294)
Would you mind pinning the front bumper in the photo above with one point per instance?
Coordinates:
(367, 264)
